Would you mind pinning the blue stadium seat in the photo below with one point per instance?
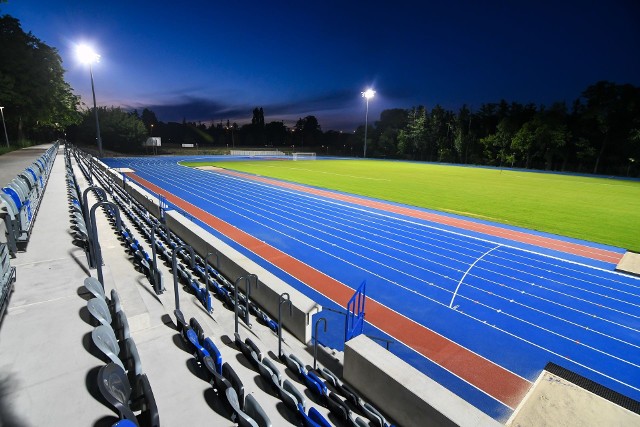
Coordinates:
(214, 353)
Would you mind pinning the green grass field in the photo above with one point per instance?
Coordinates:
(595, 209)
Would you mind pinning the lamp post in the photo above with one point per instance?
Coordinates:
(6, 137)
(367, 94)
(88, 56)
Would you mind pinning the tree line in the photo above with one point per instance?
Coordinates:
(599, 132)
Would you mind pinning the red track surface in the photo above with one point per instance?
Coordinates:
(491, 230)
(496, 381)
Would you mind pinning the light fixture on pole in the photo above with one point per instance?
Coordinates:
(87, 55)
(367, 94)
(6, 137)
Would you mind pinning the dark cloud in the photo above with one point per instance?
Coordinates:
(193, 108)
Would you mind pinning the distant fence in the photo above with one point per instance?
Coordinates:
(256, 153)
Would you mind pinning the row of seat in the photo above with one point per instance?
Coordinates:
(20, 200)
(342, 401)
(76, 210)
(7, 278)
(141, 256)
(242, 408)
(195, 279)
(121, 381)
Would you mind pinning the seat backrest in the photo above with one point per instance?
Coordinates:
(274, 370)
(292, 364)
(254, 410)
(266, 373)
(214, 353)
(374, 415)
(321, 384)
(292, 390)
(329, 376)
(242, 418)
(145, 401)
(195, 325)
(337, 407)
(318, 418)
(121, 327)
(300, 363)
(95, 287)
(105, 340)
(98, 309)
(312, 385)
(132, 359)
(115, 302)
(236, 383)
(254, 348)
(115, 388)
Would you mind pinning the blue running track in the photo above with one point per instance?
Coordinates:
(504, 301)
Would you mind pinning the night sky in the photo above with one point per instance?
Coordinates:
(211, 61)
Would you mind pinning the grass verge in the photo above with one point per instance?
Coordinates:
(595, 209)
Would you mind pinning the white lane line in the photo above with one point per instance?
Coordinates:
(467, 272)
(296, 239)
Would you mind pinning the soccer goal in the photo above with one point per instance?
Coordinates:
(304, 156)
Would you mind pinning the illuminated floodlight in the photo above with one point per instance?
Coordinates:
(369, 93)
(86, 54)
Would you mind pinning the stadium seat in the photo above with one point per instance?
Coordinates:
(115, 302)
(214, 353)
(95, 287)
(230, 374)
(131, 360)
(255, 411)
(254, 348)
(115, 388)
(274, 370)
(240, 416)
(267, 374)
(7, 278)
(337, 407)
(195, 325)
(246, 350)
(105, 340)
(217, 381)
(100, 311)
(291, 396)
(142, 399)
(121, 326)
(317, 418)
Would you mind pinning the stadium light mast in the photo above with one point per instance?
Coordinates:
(367, 94)
(87, 55)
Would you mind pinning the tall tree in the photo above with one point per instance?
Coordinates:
(120, 130)
(149, 119)
(32, 85)
(412, 141)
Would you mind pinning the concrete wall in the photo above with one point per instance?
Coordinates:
(145, 198)
(233, 264)
(408, 396)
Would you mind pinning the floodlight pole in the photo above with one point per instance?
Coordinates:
(366, 95)
(6, 137)
(95, 109)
